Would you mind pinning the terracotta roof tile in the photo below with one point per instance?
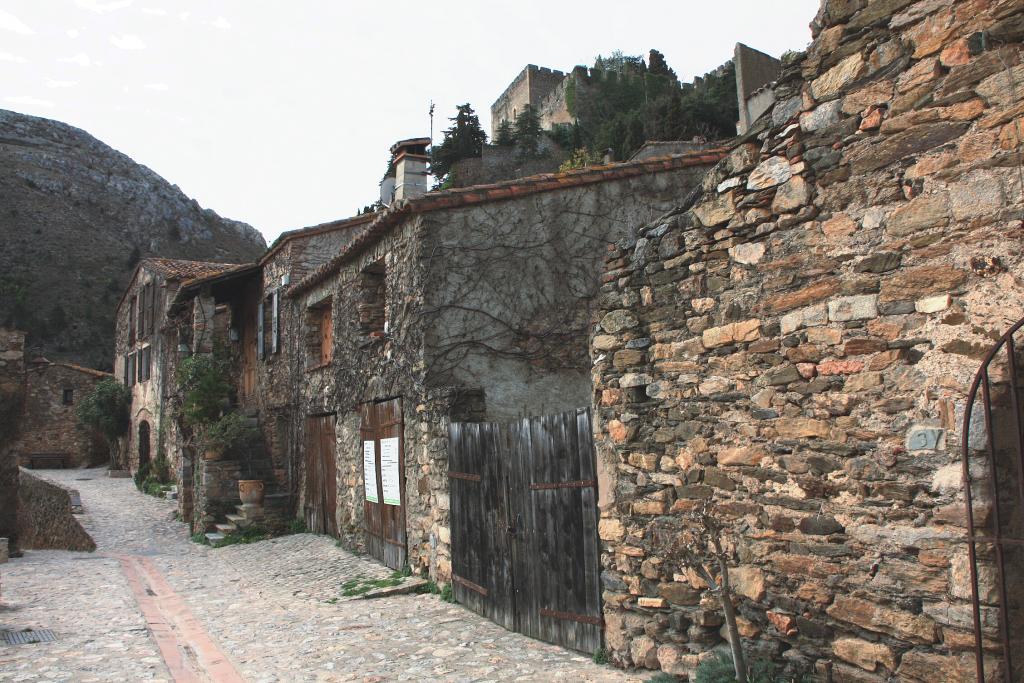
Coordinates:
(174, 269)
(508, 189)
(88, 371)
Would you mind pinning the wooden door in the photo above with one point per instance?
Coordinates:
(524, 526)
(481, 567)
(321, 491)
(383, 454)
(250, 309)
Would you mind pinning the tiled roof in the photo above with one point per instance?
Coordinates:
(509, 189)
(331, 226)
(41, 361)
(88, 371)
(174, 269)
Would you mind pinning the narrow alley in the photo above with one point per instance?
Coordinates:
(150, 605)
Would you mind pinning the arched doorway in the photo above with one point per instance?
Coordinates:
(143, 444)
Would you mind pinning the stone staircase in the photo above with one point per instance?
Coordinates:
(259, 465)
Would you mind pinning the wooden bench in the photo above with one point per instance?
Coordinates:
(51, 461)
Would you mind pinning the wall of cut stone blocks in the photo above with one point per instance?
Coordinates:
(796, 344)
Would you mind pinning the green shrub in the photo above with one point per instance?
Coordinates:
(105, 409)
(228, 432)
(298, 526)
(205, 383)
(662, 677)
(600, 656)
(446, 593)
(717, 669)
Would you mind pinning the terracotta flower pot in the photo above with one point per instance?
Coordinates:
(250, 491)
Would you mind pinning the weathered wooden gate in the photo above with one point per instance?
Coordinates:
(384, 481)
(524, 526)
(321, 493)
(992, 451)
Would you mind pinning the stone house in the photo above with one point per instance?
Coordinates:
(253, 328)
(49, 425)
(809, 327)
(467, 304)
(145, 359)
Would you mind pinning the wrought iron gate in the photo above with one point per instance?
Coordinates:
(992, 451)
(524, 526)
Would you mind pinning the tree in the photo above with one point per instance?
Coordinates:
(657, 66)
(505, 136)
(463, 140)
(706, 546)
(528, 134)
(106, 410)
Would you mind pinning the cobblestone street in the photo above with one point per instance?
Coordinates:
(150, 605)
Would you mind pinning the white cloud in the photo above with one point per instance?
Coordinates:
(73, 33)
(155, 11)
(221, 23)
(12, 23)
(61, 84)
(161, 87)
(81, 59)
(28, 101)
(103, 7)
(128, 41)
(8, 57)
(184, 16)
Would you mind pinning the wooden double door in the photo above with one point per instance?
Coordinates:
(383, 454)
(321, 494)
(524, 526)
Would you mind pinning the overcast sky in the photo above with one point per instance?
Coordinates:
(280, 114)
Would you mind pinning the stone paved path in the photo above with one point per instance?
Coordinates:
(263, 613)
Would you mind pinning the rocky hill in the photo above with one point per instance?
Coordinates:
(75, 218)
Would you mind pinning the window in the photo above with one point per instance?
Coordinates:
(320, 334)
(69, 396)
(373, 300)
(126, 374)
(131, 369)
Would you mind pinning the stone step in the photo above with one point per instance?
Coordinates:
(237, 520)
(410, 585)
(214, 537)
(226, 528)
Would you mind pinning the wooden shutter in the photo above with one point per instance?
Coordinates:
(326, 335)
(260, 348)
(132, 312)
(140, 318)
(152, 308)
(275, 321)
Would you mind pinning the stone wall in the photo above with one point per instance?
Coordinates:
(12, 392)
(45, 521)
(796, 344)
(49, 423)
(497, 163)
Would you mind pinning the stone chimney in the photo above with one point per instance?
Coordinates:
(410, 164)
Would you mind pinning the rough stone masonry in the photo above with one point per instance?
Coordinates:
(797, 341)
